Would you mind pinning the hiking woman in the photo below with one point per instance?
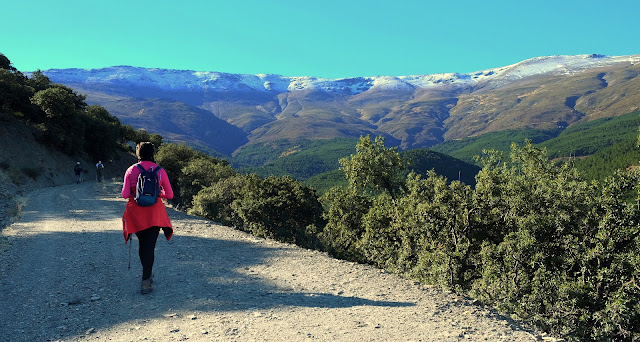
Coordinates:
(146, 221)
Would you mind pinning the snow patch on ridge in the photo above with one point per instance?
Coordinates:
(562, 65)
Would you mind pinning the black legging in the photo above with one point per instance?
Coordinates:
(147, 244)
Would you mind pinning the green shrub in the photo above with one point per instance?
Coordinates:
(532, 239)
(437, 232)
(344, 209)
(564, 248)
(214, 202)
(276, 207)
(280, 208)
(374, 167)
(173, 158)
(200, 172)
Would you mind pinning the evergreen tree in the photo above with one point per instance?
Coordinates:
(374, 167)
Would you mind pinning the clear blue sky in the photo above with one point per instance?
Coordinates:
(324, 38)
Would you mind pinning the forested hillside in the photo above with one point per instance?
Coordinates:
(60, 117)
(587, 138)
(304, 159)
(468, 148)
(596, 148)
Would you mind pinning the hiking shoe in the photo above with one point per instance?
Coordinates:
(145, 287)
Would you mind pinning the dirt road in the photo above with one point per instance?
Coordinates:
(64, 277)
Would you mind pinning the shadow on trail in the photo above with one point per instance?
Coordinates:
(216, 275)
(191, 274)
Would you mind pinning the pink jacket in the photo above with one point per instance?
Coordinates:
(137, 218)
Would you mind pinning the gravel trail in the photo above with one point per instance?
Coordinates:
(64, 277)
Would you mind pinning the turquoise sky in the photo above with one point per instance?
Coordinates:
(325, 38)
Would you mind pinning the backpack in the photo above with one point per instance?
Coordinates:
(148, 186)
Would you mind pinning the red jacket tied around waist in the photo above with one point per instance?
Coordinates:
(137, 218)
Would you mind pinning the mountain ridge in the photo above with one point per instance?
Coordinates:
(212, 80)
(417, 111)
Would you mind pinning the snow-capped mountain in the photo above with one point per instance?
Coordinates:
(218, 81)
(411, 111)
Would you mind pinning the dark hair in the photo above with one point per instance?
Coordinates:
(145, 151)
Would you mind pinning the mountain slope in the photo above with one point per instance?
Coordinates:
(176, 121)
(546, 102)
(542, 93)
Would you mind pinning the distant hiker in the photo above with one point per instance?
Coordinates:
(99, 169)
(78, 171)
(146, 221)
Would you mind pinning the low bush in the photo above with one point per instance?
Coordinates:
(280, 208)
(533, 239)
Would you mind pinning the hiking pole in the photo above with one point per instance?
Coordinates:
(130, 251)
